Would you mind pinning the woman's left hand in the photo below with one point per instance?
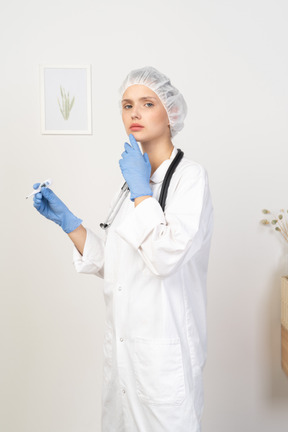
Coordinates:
(136, 169)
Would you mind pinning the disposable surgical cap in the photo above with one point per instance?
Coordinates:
(170, 97)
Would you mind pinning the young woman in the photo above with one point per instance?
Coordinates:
(154, 264)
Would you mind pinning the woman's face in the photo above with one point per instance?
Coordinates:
(142, 106)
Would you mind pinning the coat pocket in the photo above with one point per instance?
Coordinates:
(158, 369)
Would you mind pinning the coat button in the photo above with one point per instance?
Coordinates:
(119, 288)
(123, 391)
(121, 339)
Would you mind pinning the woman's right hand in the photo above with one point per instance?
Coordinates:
(49, 205)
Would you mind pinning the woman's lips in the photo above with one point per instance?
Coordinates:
(136, 126)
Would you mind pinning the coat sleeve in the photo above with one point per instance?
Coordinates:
(92, 261)
(167, 240)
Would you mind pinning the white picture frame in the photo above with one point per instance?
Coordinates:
(65, 99)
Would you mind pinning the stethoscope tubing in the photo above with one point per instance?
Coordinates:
(125, 190)
(113, 212)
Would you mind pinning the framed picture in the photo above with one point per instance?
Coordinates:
(65, 99)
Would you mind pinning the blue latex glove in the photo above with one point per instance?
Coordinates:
(50, 206)
(136, 169)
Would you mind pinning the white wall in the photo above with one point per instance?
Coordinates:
(230, 61)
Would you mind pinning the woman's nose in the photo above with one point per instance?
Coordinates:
(135, 113)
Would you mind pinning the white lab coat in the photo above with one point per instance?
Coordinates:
(154, 265)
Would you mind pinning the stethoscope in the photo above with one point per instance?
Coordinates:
(125, 190)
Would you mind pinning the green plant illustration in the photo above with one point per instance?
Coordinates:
(280, 223)
(66, 104)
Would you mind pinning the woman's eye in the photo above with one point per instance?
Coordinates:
(128, 106)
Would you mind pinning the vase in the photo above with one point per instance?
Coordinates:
(284, 323)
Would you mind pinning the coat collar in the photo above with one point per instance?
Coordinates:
(159, 173)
